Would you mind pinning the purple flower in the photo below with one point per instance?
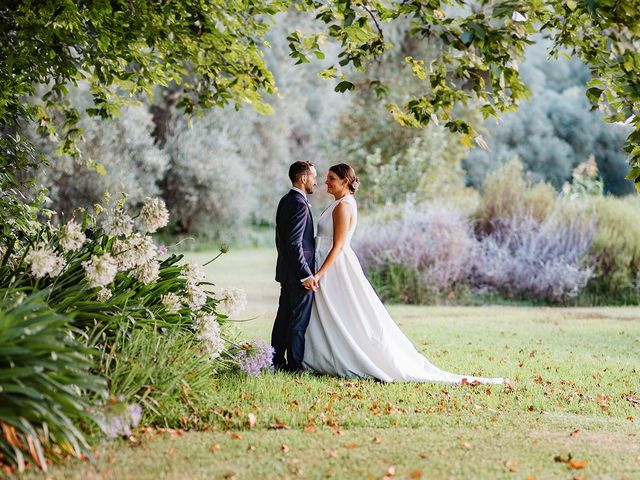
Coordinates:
(254, 357)
(117, 420)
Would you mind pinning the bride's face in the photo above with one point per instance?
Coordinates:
(335, 185)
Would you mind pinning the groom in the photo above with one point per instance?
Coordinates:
(294, 269)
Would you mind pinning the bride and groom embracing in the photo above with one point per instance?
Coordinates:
(329, 318)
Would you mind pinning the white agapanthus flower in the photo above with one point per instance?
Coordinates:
(518, 17)
(148, 272)
(43, 260)
(196, 296)
(210, 335)
(233, 300)
(154, 214)
(172, 302)
(104, 294)
(71, 236)
(193, 272)
(118, 223)
(100, 270)
(134, 251)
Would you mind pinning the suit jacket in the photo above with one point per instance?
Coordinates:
(294, 239)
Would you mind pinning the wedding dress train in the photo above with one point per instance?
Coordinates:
(350, 333)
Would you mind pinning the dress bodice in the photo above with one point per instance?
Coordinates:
(324, 236)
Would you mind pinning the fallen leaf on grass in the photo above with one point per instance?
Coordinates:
(511, 465)
(415, 474)
(571, 463)
(215, 447)
(351, 445)
(423, 455)
(635, 401)
(251, 420)
(285, 448)
(575, 432)
(474, 383)
(578, 464)
(466, 445)
(376, 440)
(508, 388)
(391, 471)
(236, 436)
(251, 448)
(229, 475)
(311, 428)
(280, 426)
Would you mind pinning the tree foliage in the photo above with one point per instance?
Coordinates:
(213, 50)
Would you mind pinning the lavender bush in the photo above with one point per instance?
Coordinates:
(541, 260)
(432, 246)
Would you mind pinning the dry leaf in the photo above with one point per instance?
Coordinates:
(311, 428)
(376, 440)
(577, 464)
(215, 447)
(575, 432)
(391, 471)
(280, 426)
(423, 455)
(252, 419)
(466, 446)
(229, 475)
(415, 474)
(251, 448)
(351, 445)
(236, 436)
(285, 448)
(511, 465)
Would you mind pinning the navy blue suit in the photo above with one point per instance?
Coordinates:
(296, 261)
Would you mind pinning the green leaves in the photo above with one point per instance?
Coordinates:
(44, 382)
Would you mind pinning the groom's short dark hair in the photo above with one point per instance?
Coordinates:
(299, 168)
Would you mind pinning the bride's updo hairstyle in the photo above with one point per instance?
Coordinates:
(346, 172)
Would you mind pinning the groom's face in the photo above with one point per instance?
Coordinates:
(310, 182)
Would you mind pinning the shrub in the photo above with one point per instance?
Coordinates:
(166, 373)
(45, 382)
(616, 248)
(537, 260)
(127, 302)
(426, 251)
(507, 195)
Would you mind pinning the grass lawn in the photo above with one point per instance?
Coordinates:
(573, 410)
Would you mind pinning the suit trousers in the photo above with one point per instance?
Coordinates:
(292, 320)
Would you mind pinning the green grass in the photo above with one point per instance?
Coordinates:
(574, 371)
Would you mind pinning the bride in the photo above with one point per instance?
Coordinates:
(350, 333)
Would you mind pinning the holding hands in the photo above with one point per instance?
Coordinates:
(311, 283)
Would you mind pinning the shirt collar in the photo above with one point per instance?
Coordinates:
(299, 191)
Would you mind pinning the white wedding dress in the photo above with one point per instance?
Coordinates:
(350, 333)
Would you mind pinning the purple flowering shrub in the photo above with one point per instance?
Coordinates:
(541, 260)
(425, 253)
(118, 419)
(254, 357)
(422, 253)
